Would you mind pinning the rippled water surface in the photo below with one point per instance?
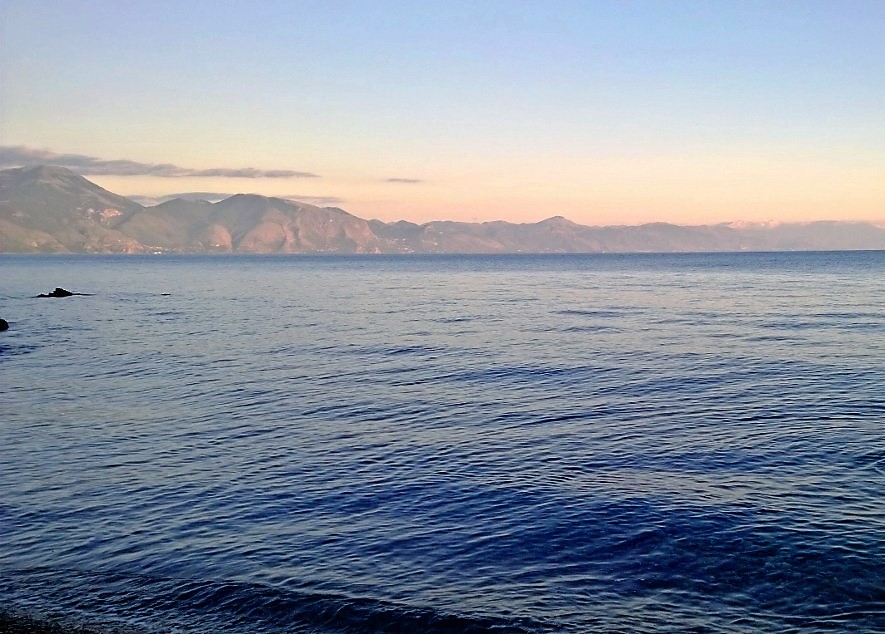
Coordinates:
(637, 443)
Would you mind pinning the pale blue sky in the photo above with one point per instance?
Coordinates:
(606, 112)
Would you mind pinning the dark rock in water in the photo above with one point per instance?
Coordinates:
(58, 292)
(4, 325)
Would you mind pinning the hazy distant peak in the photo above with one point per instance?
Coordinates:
(752, 224)
(558, 221)
(259, 199)
(245, 198)
(151, 201)
(253, 202)
(181, 201)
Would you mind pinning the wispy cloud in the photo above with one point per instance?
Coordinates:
(407, 181)
(20, 155)
(319, 201)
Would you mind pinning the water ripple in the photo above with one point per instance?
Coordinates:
(644, 444)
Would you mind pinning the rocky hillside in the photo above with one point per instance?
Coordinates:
(250, 224)
(53, 210)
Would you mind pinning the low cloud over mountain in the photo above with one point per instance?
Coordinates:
(20, 156)
(53, 210)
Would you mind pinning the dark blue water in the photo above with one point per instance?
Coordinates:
(635, 443)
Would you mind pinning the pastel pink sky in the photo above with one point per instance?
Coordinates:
(603, 112)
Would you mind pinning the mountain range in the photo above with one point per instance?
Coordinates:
(49, 209)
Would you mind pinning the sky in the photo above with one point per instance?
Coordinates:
(603, 112)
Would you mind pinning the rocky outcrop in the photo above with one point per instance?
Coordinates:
(60, 292)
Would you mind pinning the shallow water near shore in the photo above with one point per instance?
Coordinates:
(557, 443)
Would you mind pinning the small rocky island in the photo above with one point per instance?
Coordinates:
(59, 292)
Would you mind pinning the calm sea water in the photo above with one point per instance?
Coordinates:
(636, 443)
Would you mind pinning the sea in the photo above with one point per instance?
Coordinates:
(444, 443)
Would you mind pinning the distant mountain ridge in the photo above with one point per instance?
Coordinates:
(47, 209)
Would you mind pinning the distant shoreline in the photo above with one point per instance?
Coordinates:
(422, 254)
